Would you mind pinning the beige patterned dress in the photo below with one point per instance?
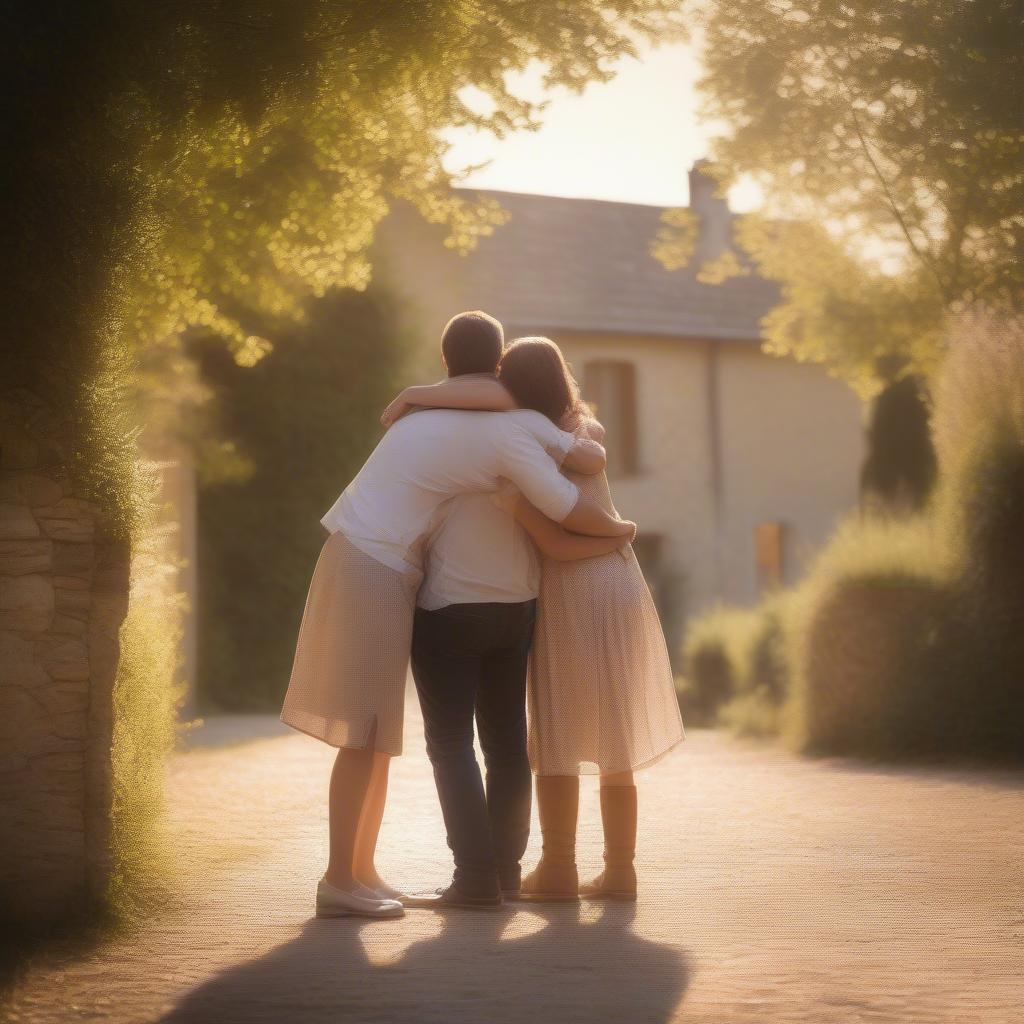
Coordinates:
(347, 686)
(601, 692)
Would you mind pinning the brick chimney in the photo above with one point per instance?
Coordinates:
(715, 219)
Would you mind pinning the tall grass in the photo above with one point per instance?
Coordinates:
(979, 429)
(146, 694)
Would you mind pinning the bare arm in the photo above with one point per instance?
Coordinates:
(588, 517)
(559, 544)
(477, 393)
(586, 457)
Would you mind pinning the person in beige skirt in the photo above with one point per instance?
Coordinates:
(347, 686)
(601, 691)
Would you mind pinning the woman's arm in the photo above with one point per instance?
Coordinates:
(554, 542)
(477, 393)
(589, 517)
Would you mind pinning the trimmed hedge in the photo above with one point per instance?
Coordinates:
(862, 685)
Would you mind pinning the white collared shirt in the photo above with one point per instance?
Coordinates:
(478, 553)
(425, 459)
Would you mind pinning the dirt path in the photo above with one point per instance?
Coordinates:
(773, 890)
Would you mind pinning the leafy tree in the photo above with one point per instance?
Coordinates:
(215, 163)
(302, 421)
(885, 136)
(900, 467)
(210, 161)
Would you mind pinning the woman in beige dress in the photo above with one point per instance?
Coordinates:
(601, 691)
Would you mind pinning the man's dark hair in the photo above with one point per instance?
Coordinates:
(472, 343)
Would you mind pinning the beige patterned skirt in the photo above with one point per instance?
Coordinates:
(601, 692)
(348, 680)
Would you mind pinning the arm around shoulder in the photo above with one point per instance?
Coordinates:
(554, 542)
(481, 394)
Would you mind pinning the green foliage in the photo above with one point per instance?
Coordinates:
(206, 158)
(900, 468)
(991, 606)
(838, 309)
(735, 666)
(904, 639)
(862, 684)
(753, 714)
(979, 398)
(716, 662)
(866, 619)
(769, 671)
(146, 692)
(676, 239)
(881, 134)
(213, 163)
(979, 428)
(304, 418)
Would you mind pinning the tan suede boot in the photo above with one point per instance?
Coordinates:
(618, 815)
(555, 879)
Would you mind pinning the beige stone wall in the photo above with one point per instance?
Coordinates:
(788, 443)
(63, 596)
(792, 446)
(670, 495)
(728, 436)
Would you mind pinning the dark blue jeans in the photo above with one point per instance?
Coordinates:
(470, 660)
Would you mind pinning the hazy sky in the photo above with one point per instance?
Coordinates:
(631, 139)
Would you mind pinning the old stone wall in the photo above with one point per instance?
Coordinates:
(63, 596)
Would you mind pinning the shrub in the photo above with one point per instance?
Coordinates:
(303, 421)
(907, 637)
(900, 467)
(754, 714)
(716, 655)
(979, 426)
(768, 669)
(756, 708)
(986, 677)
(864, 687)
(874, 607)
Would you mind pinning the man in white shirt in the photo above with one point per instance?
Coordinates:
(471, 640)
(392, 504)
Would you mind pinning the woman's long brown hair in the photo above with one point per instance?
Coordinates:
(537, 376)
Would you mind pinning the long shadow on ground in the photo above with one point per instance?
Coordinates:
(477, 969)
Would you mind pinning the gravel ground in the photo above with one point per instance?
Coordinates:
(773, 889)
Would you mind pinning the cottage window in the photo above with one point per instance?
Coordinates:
(610, 387)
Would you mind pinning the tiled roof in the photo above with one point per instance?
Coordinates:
(586, 265)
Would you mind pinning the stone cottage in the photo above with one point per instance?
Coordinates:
(736, 465)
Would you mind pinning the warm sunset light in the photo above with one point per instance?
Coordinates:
(511, 512)
(626, 139)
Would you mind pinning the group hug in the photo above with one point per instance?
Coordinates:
(479, 540)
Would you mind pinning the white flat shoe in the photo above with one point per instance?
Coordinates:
(333, 902)
(383, 892)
